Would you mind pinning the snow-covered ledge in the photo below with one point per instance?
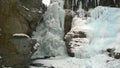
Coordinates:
(20, 35)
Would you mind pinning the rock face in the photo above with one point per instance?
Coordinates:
(17, 16)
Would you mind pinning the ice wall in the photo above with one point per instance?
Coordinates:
(50, 31)
(95, 40)
(102, 29)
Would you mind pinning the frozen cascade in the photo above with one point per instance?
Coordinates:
(102, 29)
(102, 25)
(49, 33)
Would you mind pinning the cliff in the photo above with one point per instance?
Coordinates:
(17, 16)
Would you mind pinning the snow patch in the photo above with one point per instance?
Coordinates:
(20, 34)
(46, 2)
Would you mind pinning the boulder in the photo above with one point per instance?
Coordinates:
(20, 56)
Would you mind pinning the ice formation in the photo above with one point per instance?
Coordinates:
(50, 31)
(100, 45)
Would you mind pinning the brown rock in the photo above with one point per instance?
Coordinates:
(18, 16)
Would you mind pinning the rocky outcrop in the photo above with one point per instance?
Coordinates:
(19, 53)
(32, 12)
(18, 16)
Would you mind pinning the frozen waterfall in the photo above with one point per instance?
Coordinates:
(50, 32)
(93, 39)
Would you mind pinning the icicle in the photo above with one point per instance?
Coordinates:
(87, 2)
(76, 2)
(80, 6)
(95, 3)
(114, 1)
(98, 1)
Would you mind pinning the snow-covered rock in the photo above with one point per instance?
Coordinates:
(20, 35)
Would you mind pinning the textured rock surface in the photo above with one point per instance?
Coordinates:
(17, 16)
